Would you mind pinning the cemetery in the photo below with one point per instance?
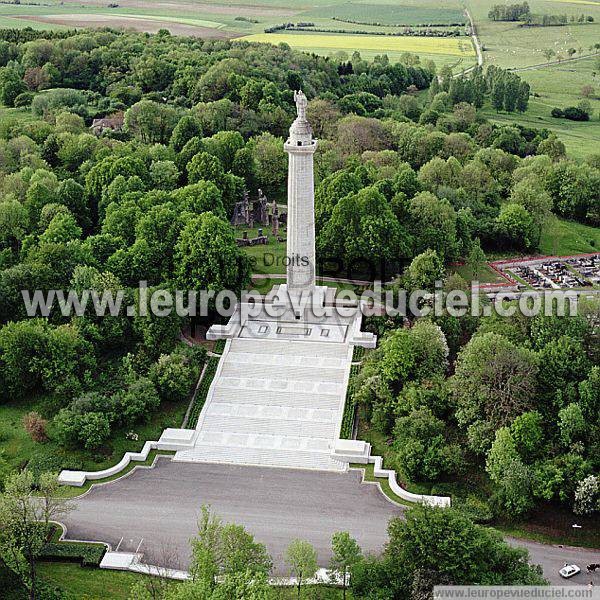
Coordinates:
(553, 273)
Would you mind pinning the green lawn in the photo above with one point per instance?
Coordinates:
(269, 258)
(485, 274)
(88, 584)
(99, 584)
(562, 238)
(17, 448)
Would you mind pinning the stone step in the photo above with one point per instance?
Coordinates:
(291, 348)
(268, 457)
(262, 411)
(276, 385)
(252, 359)
(244, 396)
(296, 373)
(257, 426)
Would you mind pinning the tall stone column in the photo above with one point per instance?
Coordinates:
(300, 147)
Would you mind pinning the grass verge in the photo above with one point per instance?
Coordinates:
(69, 491)
(369, 476)
(591, 540)
(95, 584)
(562, 238)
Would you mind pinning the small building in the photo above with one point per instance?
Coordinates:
(113, 123)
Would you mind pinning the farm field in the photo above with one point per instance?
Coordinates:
(442, 50)
(560, 85)
(250, 18)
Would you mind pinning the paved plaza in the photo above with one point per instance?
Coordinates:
(156, 509)
(159, 508)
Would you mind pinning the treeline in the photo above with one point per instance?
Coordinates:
(378, 24)
(509, 12)
(107, 71)
(284, 26)
(505, 89)
(515, 398)
(573, 113)
(522, 12)
(406, 32)
(555, 20)
(27, 34)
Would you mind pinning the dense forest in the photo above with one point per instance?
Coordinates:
(410, 177)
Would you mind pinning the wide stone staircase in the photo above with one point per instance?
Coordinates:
(274, 403)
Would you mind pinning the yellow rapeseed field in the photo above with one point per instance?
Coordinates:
(589, 2)
(380, 43)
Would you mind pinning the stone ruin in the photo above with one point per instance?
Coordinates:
(248, 213)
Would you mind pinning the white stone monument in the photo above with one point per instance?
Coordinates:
(299, 302)
(300, 147)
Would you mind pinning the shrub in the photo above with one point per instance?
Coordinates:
(173, 376)
(573, 113)
(137, 402)
(35, 426)
(88, 429)
(24, 99)
(43, 462)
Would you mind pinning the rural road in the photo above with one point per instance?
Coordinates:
(158, 508)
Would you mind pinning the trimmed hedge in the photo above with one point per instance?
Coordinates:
(211, 369)
(87, 555)
(349, 406)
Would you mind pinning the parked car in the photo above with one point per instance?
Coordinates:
(569, 571)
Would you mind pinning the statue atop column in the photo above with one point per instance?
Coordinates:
(301, 104)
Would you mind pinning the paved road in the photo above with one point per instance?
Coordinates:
(552, 558)
(160, 506)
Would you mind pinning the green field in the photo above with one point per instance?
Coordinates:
(556, 84)
(391, 14)
(510, 46)
(560, 85)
